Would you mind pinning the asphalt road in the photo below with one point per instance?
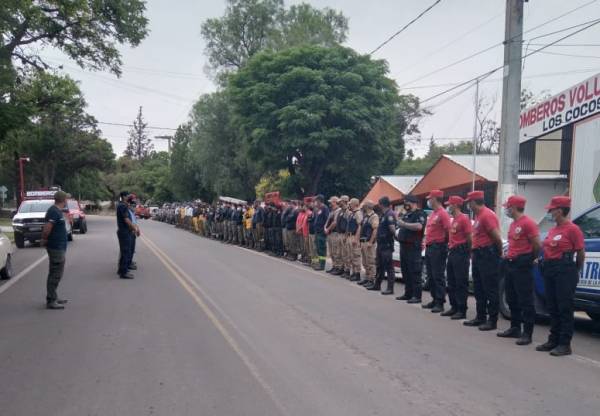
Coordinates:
(210, 329)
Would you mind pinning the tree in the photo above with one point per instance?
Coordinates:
(87, 31)
(61, 139)
(324, 114)
(250, 26)
(420, 166)
(184, 178)
(139, 145)
(220, 158)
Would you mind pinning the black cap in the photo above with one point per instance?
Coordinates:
(123, 194)
(320, 198)
(411, 198)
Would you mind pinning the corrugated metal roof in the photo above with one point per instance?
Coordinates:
(401, 182)
(486, 167)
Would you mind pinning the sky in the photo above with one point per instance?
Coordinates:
(166, 73)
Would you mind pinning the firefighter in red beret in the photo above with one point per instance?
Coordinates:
(436, 252)
(523, 251)
(564, 256)
(486, 252)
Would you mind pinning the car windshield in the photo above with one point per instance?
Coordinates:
(73, 205)
(35, 206)
(590, 223)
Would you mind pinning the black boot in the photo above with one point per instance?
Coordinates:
(526, 335)
(561, 350)
(546, 346)
(458, 315)
(449, 312)
(403, 297)
(489, 325)
(437, 308)
(374, 286)
(512, 332)
(428, 305)
(414, 300)
(355, 277)
(474, 322)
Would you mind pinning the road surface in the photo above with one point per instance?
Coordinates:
(211, 329)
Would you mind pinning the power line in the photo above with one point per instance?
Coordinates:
(569, 45)
(492, 71)
(446, 45)
(570, 55)
(506, 41)
(490, 80)
(405, 27)
(131, 125)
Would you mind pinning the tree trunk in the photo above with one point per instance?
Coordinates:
(316, 179)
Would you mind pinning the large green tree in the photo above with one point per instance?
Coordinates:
(328, 115)
(219, 155)
(250, 26)
(88, 31)
(61, 138)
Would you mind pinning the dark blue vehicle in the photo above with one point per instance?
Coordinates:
(587, 294)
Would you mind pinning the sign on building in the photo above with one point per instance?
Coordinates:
(576, 103)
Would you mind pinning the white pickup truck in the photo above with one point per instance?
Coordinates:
(6, 252)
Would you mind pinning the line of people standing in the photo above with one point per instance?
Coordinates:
(361, 237)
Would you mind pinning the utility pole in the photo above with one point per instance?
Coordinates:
(511, 108)
(475, 130)
(21, 161)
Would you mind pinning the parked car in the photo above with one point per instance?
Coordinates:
(142, 212)
(30, 218)
(587, 293)
(6, 251)
(77, 216)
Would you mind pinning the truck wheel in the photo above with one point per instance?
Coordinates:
(594, 315)
(504, 309)
(19, 240)
(7, 272)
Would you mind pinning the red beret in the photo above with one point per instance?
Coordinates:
(435, 193)
(474, 195)
(515, 201)
(455, 200)
(559, 202)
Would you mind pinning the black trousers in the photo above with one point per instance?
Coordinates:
(457, 272)
(56, 268)
(435, 262)
(560, 280)
(411, 265)
(124, 237)
(518, 283)
(486, 278)
(385, 265)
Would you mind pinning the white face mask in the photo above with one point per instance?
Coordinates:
(450, 211)
(429, 204)
(508, 212)
(548, 216)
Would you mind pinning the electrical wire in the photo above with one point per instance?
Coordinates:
(472, 81)
(405, 27)
(131, 125)
(508, 40)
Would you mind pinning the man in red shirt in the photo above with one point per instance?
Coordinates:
(459, 257)
(486, 251)
(561, 274)
(436, 242)
(523, 251)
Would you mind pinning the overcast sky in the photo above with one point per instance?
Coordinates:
(165, 74)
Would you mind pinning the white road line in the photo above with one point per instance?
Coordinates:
(18, 277)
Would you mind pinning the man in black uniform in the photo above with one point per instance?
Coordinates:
(291, 230)
(277, 232)
(125, 230)
(268, 224)
(410, 235)
(385, 248)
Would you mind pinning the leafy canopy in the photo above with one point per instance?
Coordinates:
(87, 31)
(321, 113)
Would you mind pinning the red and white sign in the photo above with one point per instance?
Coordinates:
(576, 103)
